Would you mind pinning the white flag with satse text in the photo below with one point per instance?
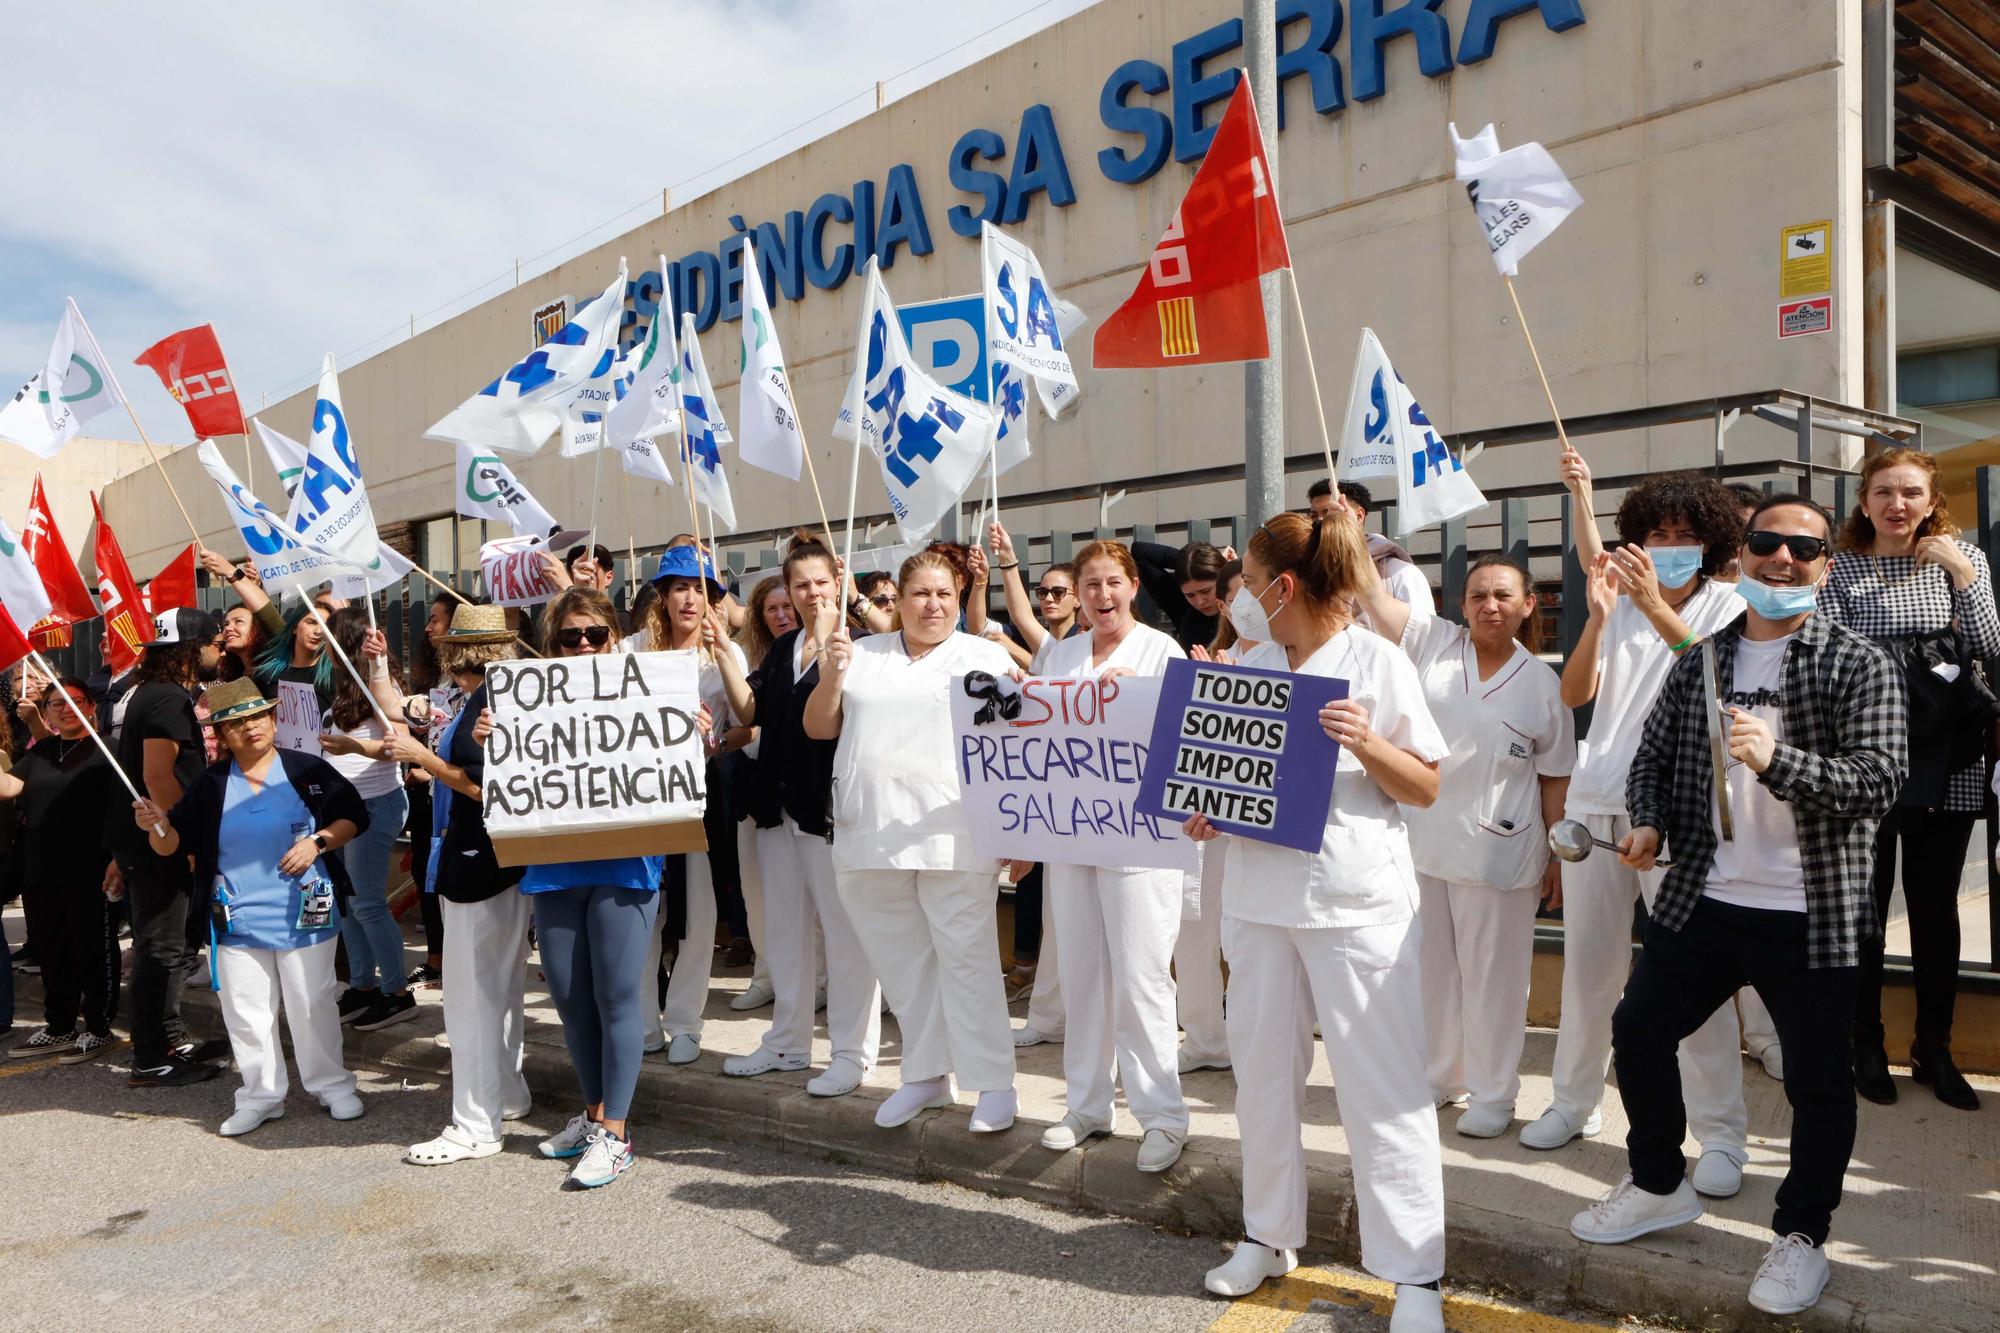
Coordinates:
(1387, 434)
(487, 488)
(288, 460)
(703, 431)
(771, 438)
(330, 497)
(74, 384)
(286, 561)
(1520, 195)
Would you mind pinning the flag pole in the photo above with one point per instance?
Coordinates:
(847, 552)
(1581, 497)
(151, 453)
(805, 451)
(104, 749)
(596, 483)
(375, 704)
(1312, 373)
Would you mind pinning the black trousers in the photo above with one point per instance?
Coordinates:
(1684, 976)
(76, 936)
(419, 828)
(1028, 916)
(1933, 843)
(166, 932)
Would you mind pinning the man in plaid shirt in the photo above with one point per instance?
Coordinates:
(1817, 750)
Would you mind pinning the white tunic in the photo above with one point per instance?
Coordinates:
(1506, 733)
(710, 688)
(1361, 875)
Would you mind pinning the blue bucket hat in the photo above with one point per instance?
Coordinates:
(684, 562)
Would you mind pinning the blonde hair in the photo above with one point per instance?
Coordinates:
(454, 657)
(577, 601)
(1326, 555)
(1858, 532)
(1117, 553)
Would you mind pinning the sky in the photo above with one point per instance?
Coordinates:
(308, 177)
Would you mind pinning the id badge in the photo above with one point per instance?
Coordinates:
(221, 920)
(315, 904)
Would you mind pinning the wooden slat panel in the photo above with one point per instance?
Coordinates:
(1942, 34)
(1926, 60)
(1980, 18)
(1930, 138)
(1934, 175)
(1924, 100)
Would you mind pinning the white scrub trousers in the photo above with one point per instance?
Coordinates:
(1478, 953)
(694, 961)
(1198, 965)
(1364, 984)
(257, 986)
(797, 870)
(485, 954)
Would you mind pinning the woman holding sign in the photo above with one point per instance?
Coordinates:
(921, 900)
(1332, 935)
(259, 826)
(1481, 851)
(1117, 926)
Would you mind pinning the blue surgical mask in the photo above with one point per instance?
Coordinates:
(1675, 565)
(1777, 603)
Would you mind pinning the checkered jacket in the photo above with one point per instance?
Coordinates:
(1843, 759)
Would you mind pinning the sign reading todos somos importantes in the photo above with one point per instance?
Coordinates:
(1245, 748)
(594, 757)
(1052, 772)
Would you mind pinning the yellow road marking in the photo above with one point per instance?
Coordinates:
(1275, 1306)
(12, 1069)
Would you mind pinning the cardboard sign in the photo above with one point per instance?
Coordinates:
(594, 757)
(1245, 748)
(298, 716)
(513, 573)
(1057, 781)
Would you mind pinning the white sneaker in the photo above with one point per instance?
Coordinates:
(570, 1140)
(605, 1158)
(761, 1061)
(1555, 1128)
(347, 1106)
(1718, 1175)
(1629, 1212)
(246, 1118)
(913, 1099)
(1160, 1149)
(1071, 1131)
(1791, 1278)
(1025, 1036)
(1773, 1060)
(1418, 1310)
(1190, 1060)
(841, 1077)
(683, 1050)
(654, 1045)
(1248, 1267)
(995, 1111)
(755, 996)
(1484, 1122)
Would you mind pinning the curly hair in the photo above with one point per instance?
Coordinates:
(1858, 532)
(1703, 503)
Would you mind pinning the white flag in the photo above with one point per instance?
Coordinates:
(581, 437)
(42, 422)
(284, 562)
(1010, 394)
(771, 437)
(703, 431)
(518, 412)
(929, 441)
(1023, 323)
(388, 569)
(648, 403)
(288, 460)
(330, 498)
(1520, 195)
(487, 488)
(21, 589)
(1387, 434)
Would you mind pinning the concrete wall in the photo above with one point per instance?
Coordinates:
(1694, 130)
(87, 465)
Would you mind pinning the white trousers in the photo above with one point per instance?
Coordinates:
(1198, 964)
(753, 896)
(1760, 1034)
(799, 885)
(257, 986)
(694, 960)
(1118, 930)
(1364, 984)
(1598, 894)
(932, 937)
(1478, 952)
(485, 952)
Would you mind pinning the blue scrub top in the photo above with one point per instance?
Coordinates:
(258, 827)
(622, 872)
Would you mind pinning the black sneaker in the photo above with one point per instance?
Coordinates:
(215, 1048)
(43, 1042)
(177, 1072)
(355, 1002)
(387, 1009)
(425, 977)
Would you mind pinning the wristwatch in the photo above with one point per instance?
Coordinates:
(319, 841)
(235, 576)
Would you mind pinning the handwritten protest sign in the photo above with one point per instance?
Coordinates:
(298, 716)
(1056, 781)
(1245, 748)
(513, 572)
(594, 757)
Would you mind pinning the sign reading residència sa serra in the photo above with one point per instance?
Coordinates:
(831, 239)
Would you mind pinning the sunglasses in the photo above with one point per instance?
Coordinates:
(1763, 543)
(575, 636)
(1058, 593)
(882, 601)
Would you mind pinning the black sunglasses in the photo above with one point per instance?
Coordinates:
(881, 600)
(1762, 543)
(573, 636)
(1057, 592)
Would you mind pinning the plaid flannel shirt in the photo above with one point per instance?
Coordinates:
(1842, 761)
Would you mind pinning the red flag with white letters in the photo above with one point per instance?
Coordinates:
(127, 624)
(69, 596)
(1199, 300)
(190, 364)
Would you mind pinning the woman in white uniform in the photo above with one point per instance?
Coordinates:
(920, 898)
(1333, 935)
(1481, 850)
(1117, 926)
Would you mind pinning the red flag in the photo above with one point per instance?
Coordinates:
(13, 645)
(190, 364)
(1198, 300)
(126, 624)
(69, 597)
(173, 586)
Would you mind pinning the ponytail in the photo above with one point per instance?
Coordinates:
(1325, 555)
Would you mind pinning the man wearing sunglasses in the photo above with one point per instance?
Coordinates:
(1778, 896)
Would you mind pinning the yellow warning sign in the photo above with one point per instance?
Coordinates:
(1806, 265)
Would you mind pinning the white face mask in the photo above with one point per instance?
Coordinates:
(1246, 613)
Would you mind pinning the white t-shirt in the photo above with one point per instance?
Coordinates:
(1632, 664)
(1506, 733)
(1361, 875)
(371, 777)
(710, 687)
(896, 797)
(1760, 867)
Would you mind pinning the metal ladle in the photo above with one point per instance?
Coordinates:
(1570, 841)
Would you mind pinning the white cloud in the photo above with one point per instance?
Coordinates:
(307, 177)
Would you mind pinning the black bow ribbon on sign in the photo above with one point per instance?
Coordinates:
(999, 705)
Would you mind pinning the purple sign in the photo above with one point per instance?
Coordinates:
(1245, 748)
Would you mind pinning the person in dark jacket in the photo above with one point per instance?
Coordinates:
(1182, 584)
(258, 826)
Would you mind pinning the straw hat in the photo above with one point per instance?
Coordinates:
(477, 624)
(234, 700)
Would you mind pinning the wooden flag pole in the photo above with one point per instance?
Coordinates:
(1581, 496)
(331, 642)
(805, 452)
(1312, 374)
(153, 454)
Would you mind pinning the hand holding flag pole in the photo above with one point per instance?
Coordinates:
(91, 731)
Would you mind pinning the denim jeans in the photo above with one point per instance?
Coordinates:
(374, 941)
